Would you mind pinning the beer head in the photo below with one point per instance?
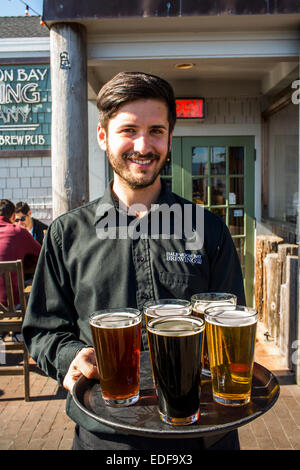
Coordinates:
(207, 298)
(167, 307)
(235, 317)
(200, 302)
(175, 325)
(115, 318)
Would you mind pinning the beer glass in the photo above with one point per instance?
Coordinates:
(166, 307)
(231, 342)
(117, 341)
(175, 344)
(199, 303)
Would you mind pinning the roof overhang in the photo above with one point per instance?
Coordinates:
(93, 9)
(176, 15)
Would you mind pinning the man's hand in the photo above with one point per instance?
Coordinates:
(84, 363)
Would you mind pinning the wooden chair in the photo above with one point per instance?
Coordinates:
(11, 319)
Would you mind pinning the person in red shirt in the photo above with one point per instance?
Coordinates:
(15, 243)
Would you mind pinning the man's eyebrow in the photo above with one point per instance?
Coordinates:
(154, 126)
(159, 126)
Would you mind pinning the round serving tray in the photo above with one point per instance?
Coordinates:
(143, 419)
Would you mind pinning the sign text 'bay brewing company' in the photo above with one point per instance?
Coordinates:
(25, 107)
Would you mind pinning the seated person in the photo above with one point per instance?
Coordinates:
(24, 219)
(15, 243)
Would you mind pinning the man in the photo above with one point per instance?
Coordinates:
(24, 219)
(82, 268)
(15, 243)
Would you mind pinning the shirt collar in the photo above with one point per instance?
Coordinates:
(110, 201)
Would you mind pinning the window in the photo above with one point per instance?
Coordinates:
(280, 169)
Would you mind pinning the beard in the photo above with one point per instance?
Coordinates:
(144, 179)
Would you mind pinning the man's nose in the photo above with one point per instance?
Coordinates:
(141, 144)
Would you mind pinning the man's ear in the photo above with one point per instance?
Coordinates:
(101, 137)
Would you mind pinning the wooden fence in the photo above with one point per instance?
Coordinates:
(276, 287)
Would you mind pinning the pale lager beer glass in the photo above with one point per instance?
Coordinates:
(200, 302)
(231, 342)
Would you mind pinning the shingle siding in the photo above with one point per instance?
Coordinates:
(22, 27)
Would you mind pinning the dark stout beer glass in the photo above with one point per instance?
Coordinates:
(202, 301)
(165, 308)
(231, 343)
(117, 342)
(176, 347)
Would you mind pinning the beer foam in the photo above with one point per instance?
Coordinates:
(167, 310)
(115, 320)
(177, 327)
(202, 305)
(231, 318)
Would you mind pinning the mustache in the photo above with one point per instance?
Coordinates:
(146, 156)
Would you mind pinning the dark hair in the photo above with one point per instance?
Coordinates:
(22, 207)
(7, 208)
(126, 87)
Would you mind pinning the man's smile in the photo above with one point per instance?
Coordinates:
(144, 161)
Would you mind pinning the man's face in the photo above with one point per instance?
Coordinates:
(137, 141)
(23, 220)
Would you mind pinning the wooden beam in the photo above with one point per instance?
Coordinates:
(69, 140)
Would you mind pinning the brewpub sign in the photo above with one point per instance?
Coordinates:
(25, 107)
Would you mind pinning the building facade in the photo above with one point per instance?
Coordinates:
(25, 114)
(240, 159)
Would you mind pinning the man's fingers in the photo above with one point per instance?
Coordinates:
(88, 370)
(84, 363)
(70, 379)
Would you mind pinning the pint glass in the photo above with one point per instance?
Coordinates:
(166, 307)
(175, 349)
(199, 303)
(117, 341)
(231, 343)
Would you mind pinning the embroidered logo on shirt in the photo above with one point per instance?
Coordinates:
(183, 257)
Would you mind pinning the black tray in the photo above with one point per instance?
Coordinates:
(143, 419)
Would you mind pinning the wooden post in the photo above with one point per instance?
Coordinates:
(284, 324)
(264, 244)
(284, 250)
(272, 294)
(288, 312)
(69, 143)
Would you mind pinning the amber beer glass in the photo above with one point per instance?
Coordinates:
(176, 347)
(202, 301)
(117, 341)
(166, 307)
(231, 342)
